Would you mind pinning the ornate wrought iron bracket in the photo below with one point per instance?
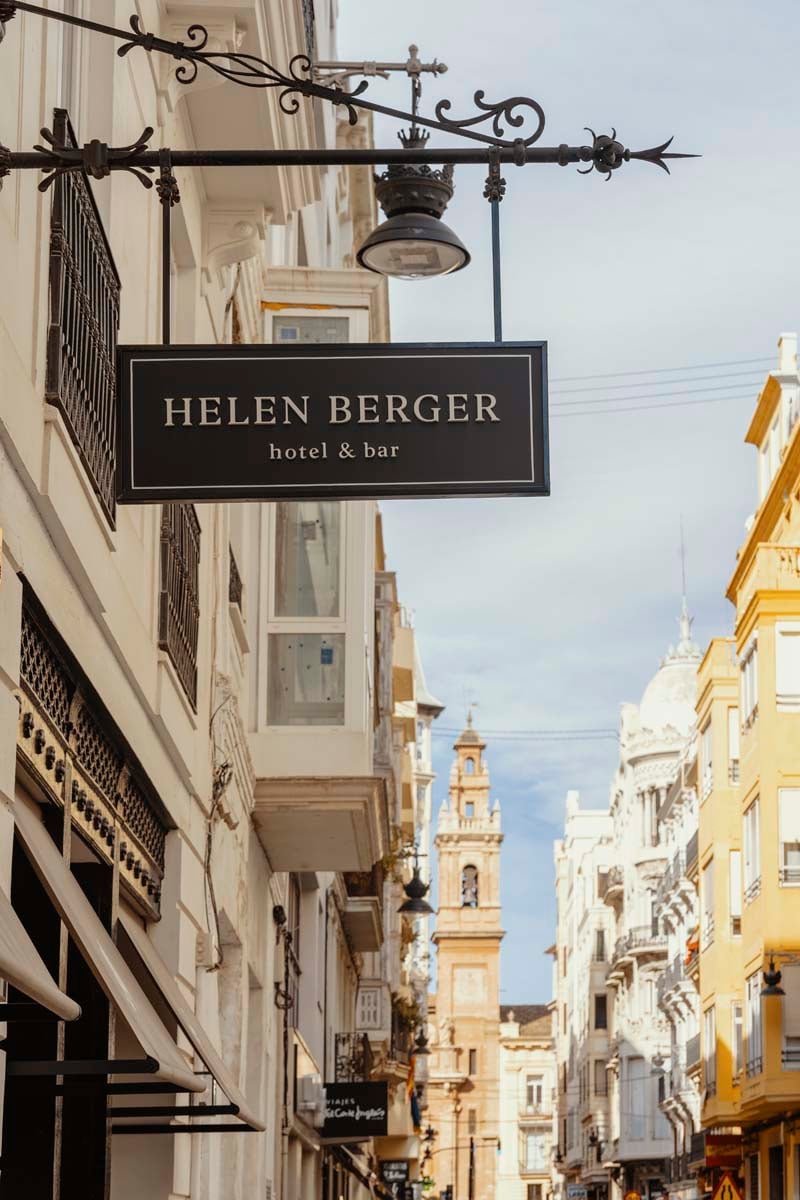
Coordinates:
(247, 70)
(95, 158)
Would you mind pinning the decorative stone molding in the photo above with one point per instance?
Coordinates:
(233, 235)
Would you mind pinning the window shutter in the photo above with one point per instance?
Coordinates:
(789, 814)
(787, 664)
(733, 734)
(736, 882)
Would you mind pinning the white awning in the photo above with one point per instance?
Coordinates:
(22, 967)
(163, 1060)
(186, 1018)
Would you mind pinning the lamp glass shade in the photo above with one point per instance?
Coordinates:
(413, 245)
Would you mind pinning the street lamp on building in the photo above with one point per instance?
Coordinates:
(414, 242)
(772, 980)
(416, 890)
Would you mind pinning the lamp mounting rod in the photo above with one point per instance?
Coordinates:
(247, 70)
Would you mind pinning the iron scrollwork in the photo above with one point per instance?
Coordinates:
(496, 113)
(606, 154)
(95, 158)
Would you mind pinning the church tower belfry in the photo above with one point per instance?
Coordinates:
(464, 1072)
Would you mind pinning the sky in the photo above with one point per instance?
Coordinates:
(551, 612)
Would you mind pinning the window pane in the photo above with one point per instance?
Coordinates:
(306, 679)
(307, 559)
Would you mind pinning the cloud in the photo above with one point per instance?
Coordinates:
(552, 612)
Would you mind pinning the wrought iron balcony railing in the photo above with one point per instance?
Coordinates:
(178, 607)
(234, 582)
(83, 324)
(354, 1058)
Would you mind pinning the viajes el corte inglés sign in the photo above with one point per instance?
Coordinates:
(355, 1110)
(259, 422)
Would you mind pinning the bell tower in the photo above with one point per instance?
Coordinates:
(464, 1074)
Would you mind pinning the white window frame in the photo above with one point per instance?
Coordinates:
(706, 759)
(733, 745)
(751, 851)
(707, 901)
(787, 698)
(737, 1038)
(710, 1049)
(754, 1025)
(789, 876)
(749, 683)
(735, 892)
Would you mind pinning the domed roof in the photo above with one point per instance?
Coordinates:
(669, 698)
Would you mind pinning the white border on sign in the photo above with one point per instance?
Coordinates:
(205, 487)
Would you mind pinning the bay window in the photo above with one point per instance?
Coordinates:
(735, 886)
(753, 1031)
(787, 666)
(706, 760)
(707, 898)
(789, 835)
(752, 852)
(749, 682)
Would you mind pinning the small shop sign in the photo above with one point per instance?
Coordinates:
(253, 422)
(723, 1150)
(355, 1110)
(394, 1173)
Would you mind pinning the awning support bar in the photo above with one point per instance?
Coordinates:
(84, 1066)
(178, 1110)
(175, 1129)
(20, 1011)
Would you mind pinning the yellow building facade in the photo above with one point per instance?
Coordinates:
(464, 1081)
(749, 826)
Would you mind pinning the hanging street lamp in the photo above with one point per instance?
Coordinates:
(772, 980)
(416, 890)
(413, 242)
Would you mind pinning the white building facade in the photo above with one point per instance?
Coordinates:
(640, 1138)
(527, 1091)
(584, 941)
(206, 754)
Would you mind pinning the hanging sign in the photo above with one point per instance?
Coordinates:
(263, 422)
(723, 1149)
(355, 1110)
(394, 1173)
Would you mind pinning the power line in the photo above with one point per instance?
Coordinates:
(722, 387)
(615, 387)
(603, 412)
(731, 362)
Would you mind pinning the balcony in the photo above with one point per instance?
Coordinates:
(354, 1059)
(644, 940)
(693, 1052)
(535, 1112)
(362, 916)
(614, 887)
(790, 876)
(321, 824)
(84, 321)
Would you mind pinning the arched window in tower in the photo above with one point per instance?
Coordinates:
(469, 766)
(469, 887)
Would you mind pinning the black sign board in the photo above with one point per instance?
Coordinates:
(394, 1173)
(355, 1110)
(260, 422)
(394, 1170)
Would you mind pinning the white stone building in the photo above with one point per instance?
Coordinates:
(584, 940)
(204, 757)
(677, 911)
(527, 1090)
(639, 1138)
(652, 737)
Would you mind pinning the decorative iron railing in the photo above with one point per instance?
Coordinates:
(78, 756)
(235, 588)
(354, 1058)
(178, 609)
(84, 321)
